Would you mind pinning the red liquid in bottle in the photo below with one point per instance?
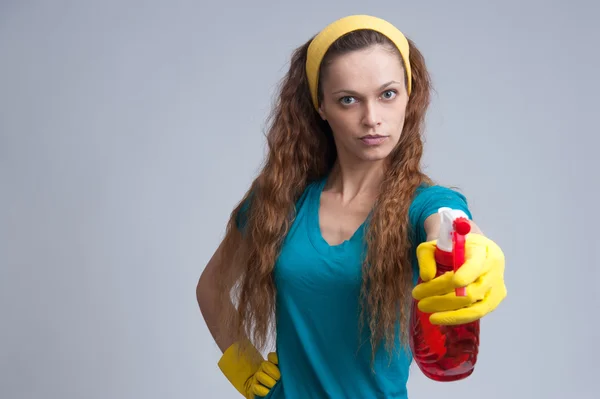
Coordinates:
(443, 353)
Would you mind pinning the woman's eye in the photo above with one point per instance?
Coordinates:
(389, 94)
(347, 100)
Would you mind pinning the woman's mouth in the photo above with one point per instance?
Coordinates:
(373, 139)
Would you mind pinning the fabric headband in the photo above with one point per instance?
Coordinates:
(321, 43)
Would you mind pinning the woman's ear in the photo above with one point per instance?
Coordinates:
(322, 112)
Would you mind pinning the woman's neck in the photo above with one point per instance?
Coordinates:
(351, 180)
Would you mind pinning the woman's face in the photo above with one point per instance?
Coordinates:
(364, 102)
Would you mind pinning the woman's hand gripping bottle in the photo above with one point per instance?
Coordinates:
(446, 353)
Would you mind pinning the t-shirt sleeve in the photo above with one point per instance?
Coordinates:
(427, 202)
(242, 216)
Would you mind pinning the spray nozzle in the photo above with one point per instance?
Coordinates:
(462, 226)
(454, 226)
(451, 220)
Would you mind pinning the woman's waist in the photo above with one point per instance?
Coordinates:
(337, 368)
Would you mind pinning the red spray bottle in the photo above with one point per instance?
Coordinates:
(446, 353)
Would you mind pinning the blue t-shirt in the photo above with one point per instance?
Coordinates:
(322, 353)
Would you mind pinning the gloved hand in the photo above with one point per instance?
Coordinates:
(482, 274)
(248, 372)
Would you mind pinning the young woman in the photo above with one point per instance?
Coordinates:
(328, 242)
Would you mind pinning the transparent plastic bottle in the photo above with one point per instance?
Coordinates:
(446, 353)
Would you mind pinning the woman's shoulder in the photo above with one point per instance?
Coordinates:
(430, 191)
(310, 192)
(429, 197)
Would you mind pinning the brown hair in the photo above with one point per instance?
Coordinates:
(301, 150)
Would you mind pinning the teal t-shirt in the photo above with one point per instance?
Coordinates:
(322, 353)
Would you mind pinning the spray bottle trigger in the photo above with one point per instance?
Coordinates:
(461, 228)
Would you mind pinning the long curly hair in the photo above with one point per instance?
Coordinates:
(302, 150)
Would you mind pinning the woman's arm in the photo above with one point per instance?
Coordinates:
(208, 299)
(242, 364)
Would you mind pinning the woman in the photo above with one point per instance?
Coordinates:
(327, 244)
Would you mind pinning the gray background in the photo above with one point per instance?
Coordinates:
(129, 130)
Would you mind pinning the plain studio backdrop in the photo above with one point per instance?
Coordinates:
(130, 129)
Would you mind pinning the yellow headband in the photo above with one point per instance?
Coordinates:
(320, 44)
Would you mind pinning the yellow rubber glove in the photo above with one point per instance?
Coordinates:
(248, 372)
(482, 274)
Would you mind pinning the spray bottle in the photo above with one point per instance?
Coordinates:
(446, 353)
